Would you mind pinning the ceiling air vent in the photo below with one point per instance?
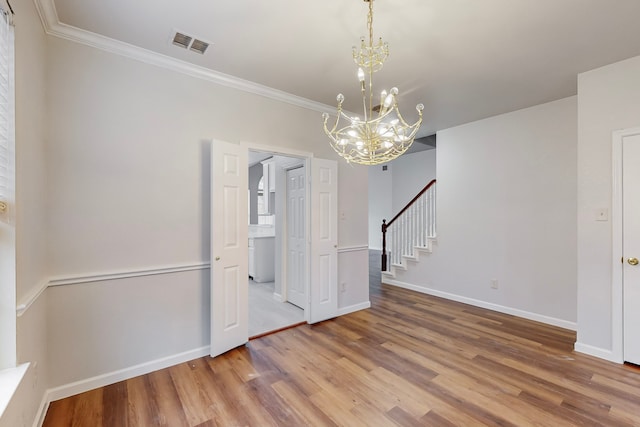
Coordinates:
(189, 42)
(182, 40)
(199, 46)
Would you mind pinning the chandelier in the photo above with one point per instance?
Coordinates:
(382, 135)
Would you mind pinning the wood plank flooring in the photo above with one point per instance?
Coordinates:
(410, 360)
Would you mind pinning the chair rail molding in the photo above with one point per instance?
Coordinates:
(77, 279)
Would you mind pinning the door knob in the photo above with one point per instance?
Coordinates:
(633, 261)
(218, 259)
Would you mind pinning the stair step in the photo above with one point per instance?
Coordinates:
(388, 274)
(400, 266)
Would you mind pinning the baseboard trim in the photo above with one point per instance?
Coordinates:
(598, 352)
(42, 411)
(354, 308)
(489, 306)
(81, 386)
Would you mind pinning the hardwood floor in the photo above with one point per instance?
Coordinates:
(410, 360)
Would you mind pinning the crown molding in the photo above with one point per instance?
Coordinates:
(53, 27)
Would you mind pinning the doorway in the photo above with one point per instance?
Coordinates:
(277, 241)
(229, 241)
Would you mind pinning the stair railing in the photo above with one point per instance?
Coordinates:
(410, 228)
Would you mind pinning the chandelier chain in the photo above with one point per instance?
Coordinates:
(370, 68)
(370, 23)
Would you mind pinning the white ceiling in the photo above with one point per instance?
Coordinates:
(463, 59)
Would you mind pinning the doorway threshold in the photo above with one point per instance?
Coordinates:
(284, 328)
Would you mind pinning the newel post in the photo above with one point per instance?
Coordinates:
(384, 245)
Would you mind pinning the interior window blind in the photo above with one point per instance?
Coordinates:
(7, 121)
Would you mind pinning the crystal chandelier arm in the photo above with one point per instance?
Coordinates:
(325, 116)
(419, 108)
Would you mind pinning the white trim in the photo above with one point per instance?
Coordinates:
(617, 298)
(353, 308)
(283, 151)
(10, 379)
(81, 386)
(126, 274)
(616, 249)
(29, 299)
(488, 305)
(42, 411)
(343, 249)
(48, 14)
(600, 353)
(53, 27)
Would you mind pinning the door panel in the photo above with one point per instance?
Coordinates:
(324, 240)
(296, 238)
(229, 247)
(631, 247)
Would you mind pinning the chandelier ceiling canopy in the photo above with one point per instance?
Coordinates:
(381, 134)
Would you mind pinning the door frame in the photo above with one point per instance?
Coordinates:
(617, 278)
(306, 157)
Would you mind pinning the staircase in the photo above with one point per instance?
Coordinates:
(409, 233)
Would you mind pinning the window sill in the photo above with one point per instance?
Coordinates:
(9, 381)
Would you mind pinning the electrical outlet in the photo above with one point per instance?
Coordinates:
(343, 287)
(494, 284)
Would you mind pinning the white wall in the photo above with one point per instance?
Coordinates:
(608, 100)
(391, 190)
(380, 202)
(411, 172)
(131, 191)
(506, 209)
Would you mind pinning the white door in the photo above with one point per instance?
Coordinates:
(631, 247)
(296, 238)
(229, 247)
(324, 240)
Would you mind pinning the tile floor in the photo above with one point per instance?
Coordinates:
(266, 313)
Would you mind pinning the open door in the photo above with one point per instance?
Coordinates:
(324, 240)
(229, 247)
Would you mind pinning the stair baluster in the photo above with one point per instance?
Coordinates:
(412, 227)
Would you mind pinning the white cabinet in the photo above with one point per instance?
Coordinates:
(261, 258)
